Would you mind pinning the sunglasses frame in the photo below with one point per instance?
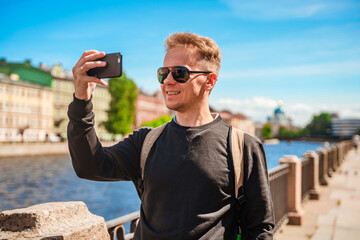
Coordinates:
(173, 73)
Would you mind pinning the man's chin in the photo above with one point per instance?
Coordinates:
(174, 107)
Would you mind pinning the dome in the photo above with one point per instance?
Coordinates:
(278, 111)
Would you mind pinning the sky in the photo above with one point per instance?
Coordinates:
(303, 53)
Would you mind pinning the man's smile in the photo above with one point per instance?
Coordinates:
(172, 93)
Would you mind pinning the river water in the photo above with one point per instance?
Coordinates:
(32, 180)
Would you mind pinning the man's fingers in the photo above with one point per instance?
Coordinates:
(88, 52)
(102, 82)
(89, 65)
(91, 57)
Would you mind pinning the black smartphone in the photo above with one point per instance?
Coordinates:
(112, 69)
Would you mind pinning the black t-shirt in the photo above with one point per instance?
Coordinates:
(188, 188)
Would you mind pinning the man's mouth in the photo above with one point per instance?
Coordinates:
(173, 93)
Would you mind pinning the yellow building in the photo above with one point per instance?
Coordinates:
(63, 88)
(26, 110)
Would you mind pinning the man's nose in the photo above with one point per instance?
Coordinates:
(169, 79)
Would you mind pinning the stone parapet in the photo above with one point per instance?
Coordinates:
(56, 221)
(313, 174)
(323, 166)
(295, 211)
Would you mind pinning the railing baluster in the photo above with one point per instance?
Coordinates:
(116, 226)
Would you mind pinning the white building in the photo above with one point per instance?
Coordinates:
(279, 119)
(344, 127)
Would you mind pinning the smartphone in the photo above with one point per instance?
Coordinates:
(112, 69)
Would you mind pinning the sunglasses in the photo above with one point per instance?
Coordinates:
(180, 74)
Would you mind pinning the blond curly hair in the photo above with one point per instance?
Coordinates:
(208, 52)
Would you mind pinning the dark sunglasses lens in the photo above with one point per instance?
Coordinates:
(162, 73)
(180, 74)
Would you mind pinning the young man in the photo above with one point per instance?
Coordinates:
(188, 191)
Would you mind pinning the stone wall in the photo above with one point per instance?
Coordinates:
(33, 149)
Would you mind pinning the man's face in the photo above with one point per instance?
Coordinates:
(183, 97)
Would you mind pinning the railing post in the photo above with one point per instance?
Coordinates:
(330, 170)
(314, 173)
(323, 166)
(335, 157)
(340, 146)
(294, 189)
(340, 153)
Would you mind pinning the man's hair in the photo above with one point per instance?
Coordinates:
(207, 50)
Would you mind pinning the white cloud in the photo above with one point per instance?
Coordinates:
(259, 108)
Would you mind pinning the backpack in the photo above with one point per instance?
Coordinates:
(237, 150)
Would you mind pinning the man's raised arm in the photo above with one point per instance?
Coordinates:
(91, 160)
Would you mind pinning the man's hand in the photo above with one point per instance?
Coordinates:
(85, 85)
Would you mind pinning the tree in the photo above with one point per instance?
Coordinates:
(292, 133)
(320, 125)
(266, 131)
(157, 122)
(357, 132)
(121, 114)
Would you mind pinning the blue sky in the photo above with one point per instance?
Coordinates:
(305, 53)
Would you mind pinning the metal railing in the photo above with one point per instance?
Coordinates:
(306, 174)
(116, 226)
(278, 178)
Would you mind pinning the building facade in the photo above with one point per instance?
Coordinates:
(150, 107)
(35, 101)
(279, 119)
(26, 110)
(63, 88)
(239, 121)
(344, 128)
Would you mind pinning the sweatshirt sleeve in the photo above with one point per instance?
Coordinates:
(259, 212)
(94, 162)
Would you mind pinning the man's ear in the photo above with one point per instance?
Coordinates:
(211, 81)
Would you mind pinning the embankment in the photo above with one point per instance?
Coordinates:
(36, 149)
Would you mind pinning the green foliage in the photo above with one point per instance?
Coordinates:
(121, 114)
(320, 125)
(266, 131)
(292, 133)
(357, 132)
(157, 122)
